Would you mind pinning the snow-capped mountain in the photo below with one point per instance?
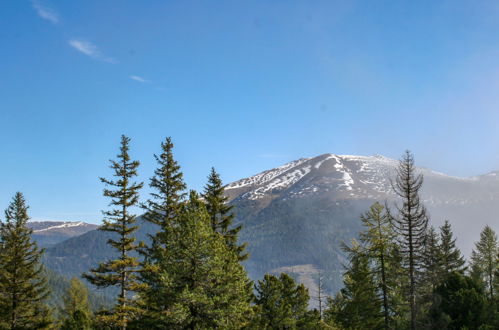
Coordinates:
(296, 215)
(357, 177)
(52, 232)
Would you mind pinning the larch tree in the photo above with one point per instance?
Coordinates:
(120, 220)
(484, 261)
(76, 311)
(357, 305)
(23, 287)
(379, 240)
(410, 224)
(221, 213)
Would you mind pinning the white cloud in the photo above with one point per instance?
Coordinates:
(45, 12)
(139, 79)
(90, 50)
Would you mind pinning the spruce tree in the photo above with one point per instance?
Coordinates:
(431, 260)
(410, 224)
(23, 287)
(122, 271)
(484, 261)
(76, 311)
(379, 240)
(451, 257)
(221, 213)
(196, 281)
(168, 187)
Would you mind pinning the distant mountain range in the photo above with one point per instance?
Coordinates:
(48, 233)
(295, 216)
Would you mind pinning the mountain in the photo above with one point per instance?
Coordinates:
(48, 233)
(296, 216)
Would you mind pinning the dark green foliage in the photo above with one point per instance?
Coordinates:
(357, 305)
(169, 188)
(23, 287)
(410, 224)
(451, 258)
(484, 261)
(221, 213)
(196, 281)
(460, 303)
(77, 321)
(120, 272)
(280, 303)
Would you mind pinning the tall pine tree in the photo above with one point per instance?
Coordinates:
(410, 224)
(484, 261)
(23, 287)
(120, 272)
(221, 213)
(168, 187)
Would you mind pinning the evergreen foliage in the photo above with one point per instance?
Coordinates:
(76, 312)
(23, 288)
(357, 305)
(410, 224)
(484, 260)
(120, 272)
(451, 258)
(197, 282)
(221, 213)
(280, 303)
(169, 188)
(460, 303)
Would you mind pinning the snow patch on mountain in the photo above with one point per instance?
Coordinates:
(63, 225)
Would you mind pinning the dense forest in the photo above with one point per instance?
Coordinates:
(401, 272)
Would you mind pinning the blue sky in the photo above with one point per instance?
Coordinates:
(240, 85)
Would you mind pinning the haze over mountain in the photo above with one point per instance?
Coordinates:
(296, 216)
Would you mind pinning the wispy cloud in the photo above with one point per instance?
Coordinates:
(45, 12)
(90, 50)
(139, 79)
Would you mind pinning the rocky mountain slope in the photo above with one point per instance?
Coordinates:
(48, 233)
(295, 216)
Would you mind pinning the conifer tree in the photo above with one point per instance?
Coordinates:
(484, 260)
(196, 282)
(379, 239)
(410, 224)
(431, 260)
(169, 188)
(451, 257)
(23, 287)
(357, 305)
(120, 272)
(280, 303)
(76, 311)
(221, 213)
